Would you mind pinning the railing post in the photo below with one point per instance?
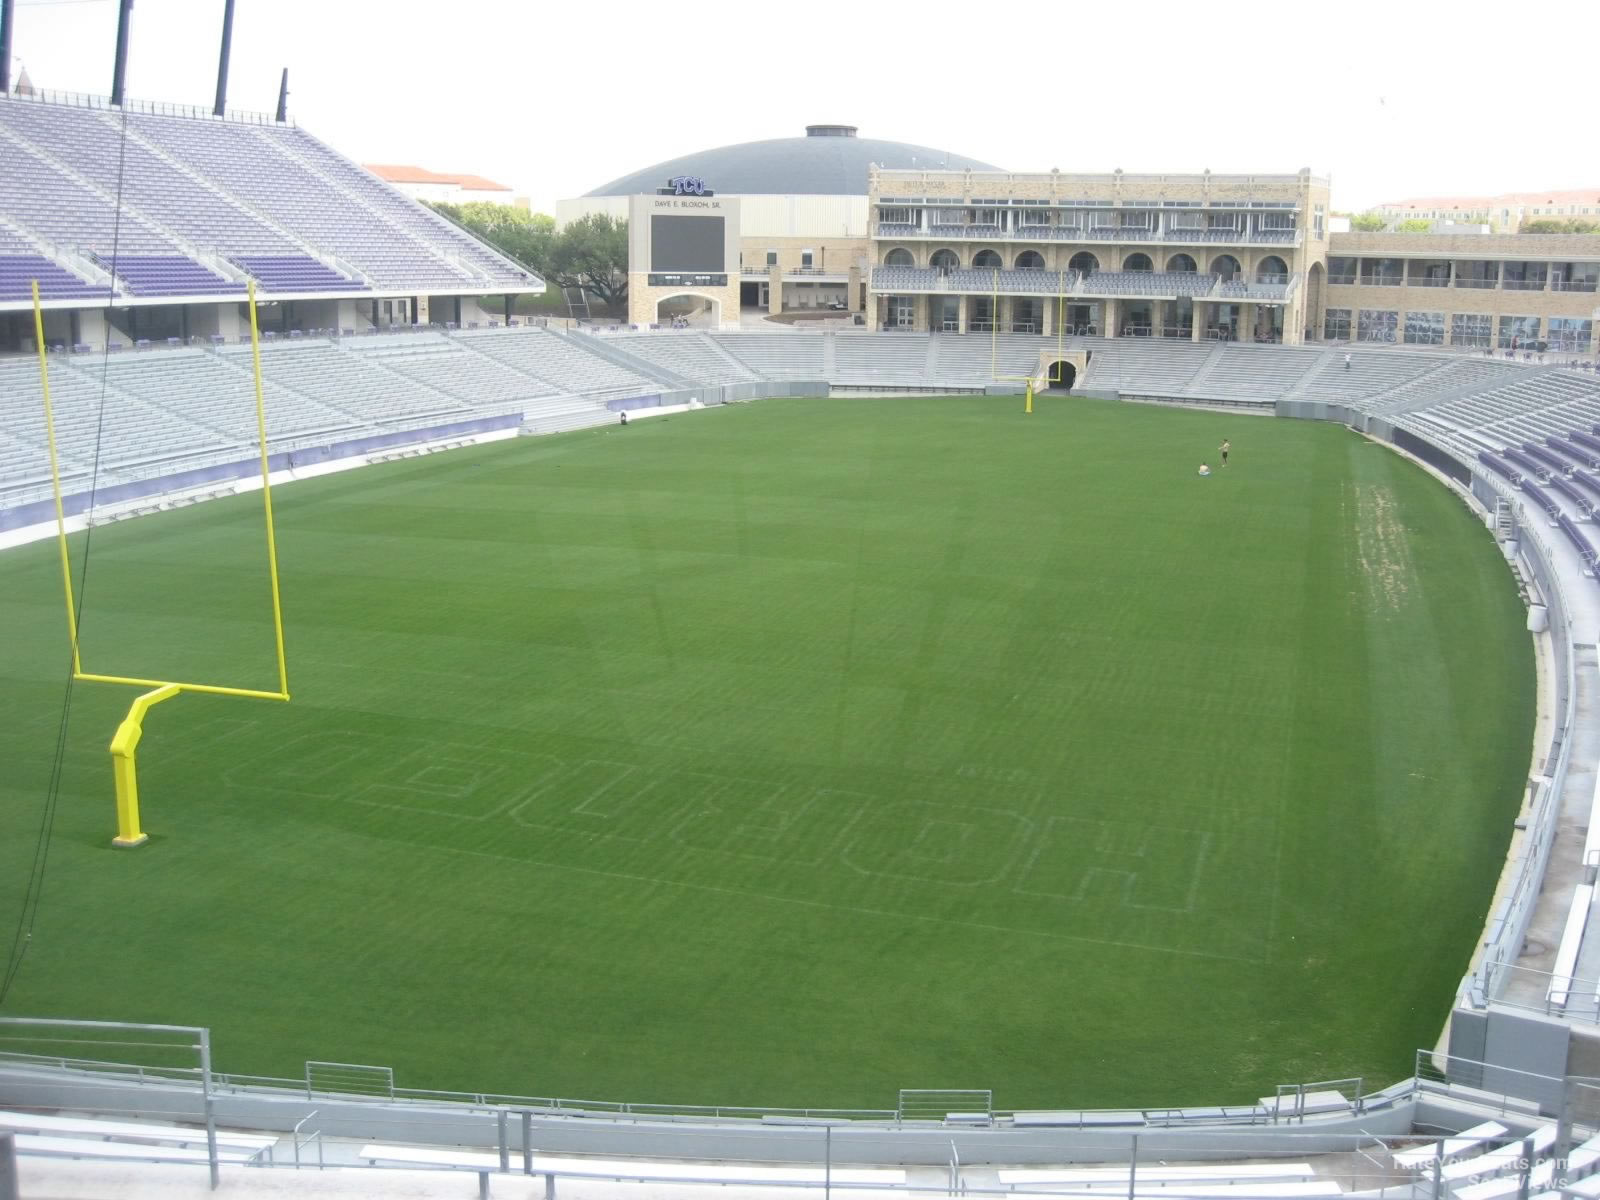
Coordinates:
(211, 1111)
(8, 1166)
(1563, 1144)
(527, 1142)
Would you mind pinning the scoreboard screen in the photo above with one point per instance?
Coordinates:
(693, 244)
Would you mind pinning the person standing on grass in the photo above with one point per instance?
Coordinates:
(1223, 449)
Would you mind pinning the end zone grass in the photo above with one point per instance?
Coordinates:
(792, 754)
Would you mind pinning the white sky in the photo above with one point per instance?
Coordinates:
(556, 98)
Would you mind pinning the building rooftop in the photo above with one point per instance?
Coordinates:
(829, 161)
(404, 173)
(1590, 195)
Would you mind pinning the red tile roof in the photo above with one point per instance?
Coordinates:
(402, 173)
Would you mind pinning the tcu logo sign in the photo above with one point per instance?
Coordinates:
(687, 185)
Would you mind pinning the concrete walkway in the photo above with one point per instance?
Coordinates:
(1529, 983)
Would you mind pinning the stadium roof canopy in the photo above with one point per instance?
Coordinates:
(829, 161)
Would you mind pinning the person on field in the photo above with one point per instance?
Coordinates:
(1204, 470)
(624, 417)
(1224, 448)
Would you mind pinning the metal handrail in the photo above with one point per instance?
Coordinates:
(157, 108)
(1508, 923)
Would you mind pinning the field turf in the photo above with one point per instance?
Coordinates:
(792, 754)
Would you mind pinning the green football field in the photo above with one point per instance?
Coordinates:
(791, 753)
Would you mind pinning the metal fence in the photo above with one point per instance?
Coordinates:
(179, 1054)
(1491, 972)
(835, 1156)
(153, 107)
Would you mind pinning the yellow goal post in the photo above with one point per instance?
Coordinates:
(124, 746)
(994, 334)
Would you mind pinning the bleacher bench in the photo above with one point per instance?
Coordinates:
(619, 1169)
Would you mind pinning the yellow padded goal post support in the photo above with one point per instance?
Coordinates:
(124, 765)
(1027, 405)
(125, 744)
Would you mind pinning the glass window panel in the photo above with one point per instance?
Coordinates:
(1471, 329)
(1574, 335)
(1522, 329)
(1425, 328)
(1377, 325)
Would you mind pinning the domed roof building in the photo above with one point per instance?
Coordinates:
(803, 217)
(829, 161)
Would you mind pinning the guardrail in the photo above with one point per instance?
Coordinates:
(1490, 973)
(152, 107)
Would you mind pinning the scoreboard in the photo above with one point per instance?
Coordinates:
(683, 243)
(688, 240)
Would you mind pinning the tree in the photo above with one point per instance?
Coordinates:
(1414, 225)
(1554, 225)
(523, 235)
(592, 254)
(1368, 223)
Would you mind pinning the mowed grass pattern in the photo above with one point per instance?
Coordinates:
(792, 754)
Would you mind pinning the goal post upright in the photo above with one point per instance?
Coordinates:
(266, 493)
(55, 478)
(124, 745)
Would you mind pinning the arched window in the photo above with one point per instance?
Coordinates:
(1138, 262)
(945, 260)
(1030, 260)
(1083, 261)
(1181, 262)
(987, 258)
(899, 257)
(1225, 265)
(1272, 269)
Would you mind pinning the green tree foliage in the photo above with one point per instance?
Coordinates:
(1554, 225)
(592, 254)
(1367, 223)
(1414, 225)
(514, 231)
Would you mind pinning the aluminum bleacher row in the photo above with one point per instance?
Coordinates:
(1148, 283)
(775, 355)
(133, 1141)
(134, 416)
(197, 192)
(170, 410)
(694, 357)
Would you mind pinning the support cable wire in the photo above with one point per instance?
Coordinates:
(47, 819)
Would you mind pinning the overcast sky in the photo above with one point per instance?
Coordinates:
(556, 98)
